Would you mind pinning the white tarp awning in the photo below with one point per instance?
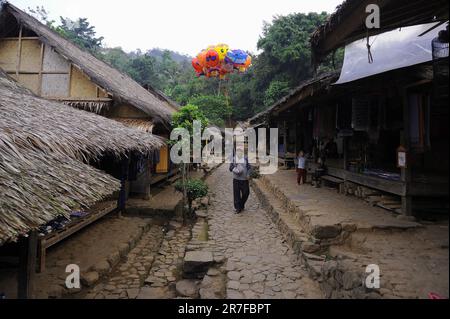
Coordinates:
(390, 50)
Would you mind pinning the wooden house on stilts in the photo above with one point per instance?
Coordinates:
(48, 158)
(57, 69)
(381, 123)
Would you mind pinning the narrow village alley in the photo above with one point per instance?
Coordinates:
(251, 259)
(259, 263)
(268, 251)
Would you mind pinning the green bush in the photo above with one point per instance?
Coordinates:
(254, 173)
(195, 188)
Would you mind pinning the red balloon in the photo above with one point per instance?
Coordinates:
(196, 65)
(212, 59)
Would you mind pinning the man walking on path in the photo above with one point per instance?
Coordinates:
(241, 171)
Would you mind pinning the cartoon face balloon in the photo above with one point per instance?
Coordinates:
(218, 60)
(237, 56)
(222, 50)
(212, 59)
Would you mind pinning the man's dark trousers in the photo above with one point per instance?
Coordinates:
(241, 191)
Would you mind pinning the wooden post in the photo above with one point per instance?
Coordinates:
(27, 265)
(19, 53)
(345, 145)
(122, 193)
(295, 136)
(41, 69)
(285, 142)
(405, 141)
(69, 84)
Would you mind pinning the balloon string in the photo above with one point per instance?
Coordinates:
(369, 52)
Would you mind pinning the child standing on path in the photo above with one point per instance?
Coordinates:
(301, 168)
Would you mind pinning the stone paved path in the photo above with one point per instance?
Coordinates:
(167, 266)
(258, 262)
(128, 277)
(154, 263)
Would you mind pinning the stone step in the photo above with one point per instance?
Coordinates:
(323, 232)
(297, 238)
(196, 263)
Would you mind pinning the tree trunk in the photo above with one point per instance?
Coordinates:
(183, 179)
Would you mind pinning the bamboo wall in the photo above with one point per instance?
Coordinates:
(39, 68)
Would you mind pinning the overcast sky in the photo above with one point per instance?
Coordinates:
(185, 26)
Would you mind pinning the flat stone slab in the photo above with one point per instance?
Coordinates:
(102, 267)
(154, 293)
(396, 225)
(187, 288)
(326, 231)
(197, 261)
(132, 293)
(90, 278)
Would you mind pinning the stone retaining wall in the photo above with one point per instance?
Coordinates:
(338, 278)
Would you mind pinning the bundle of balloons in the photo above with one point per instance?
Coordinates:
(219, 60)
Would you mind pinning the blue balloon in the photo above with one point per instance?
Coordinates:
(236, 56)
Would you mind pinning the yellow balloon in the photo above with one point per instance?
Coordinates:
(222, 50)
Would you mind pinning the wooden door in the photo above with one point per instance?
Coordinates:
(163, 165)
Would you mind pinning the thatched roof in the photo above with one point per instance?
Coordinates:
(347, 23)
(140, 124)
(36, 188)
(122, 87)
(53, 127)
(42, 145)
(296, 95)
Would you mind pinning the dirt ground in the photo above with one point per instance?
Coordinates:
(85, 248)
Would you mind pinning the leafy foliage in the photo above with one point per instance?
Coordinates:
(276, 90)
(81, 33)
(215, 107)
(185, 117)
(195, 188)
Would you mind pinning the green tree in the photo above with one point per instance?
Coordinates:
(116, 57)
(185, 118)
(144, 69)
(40, 13)
(81, 33)
(275, 91)
(216, 108)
